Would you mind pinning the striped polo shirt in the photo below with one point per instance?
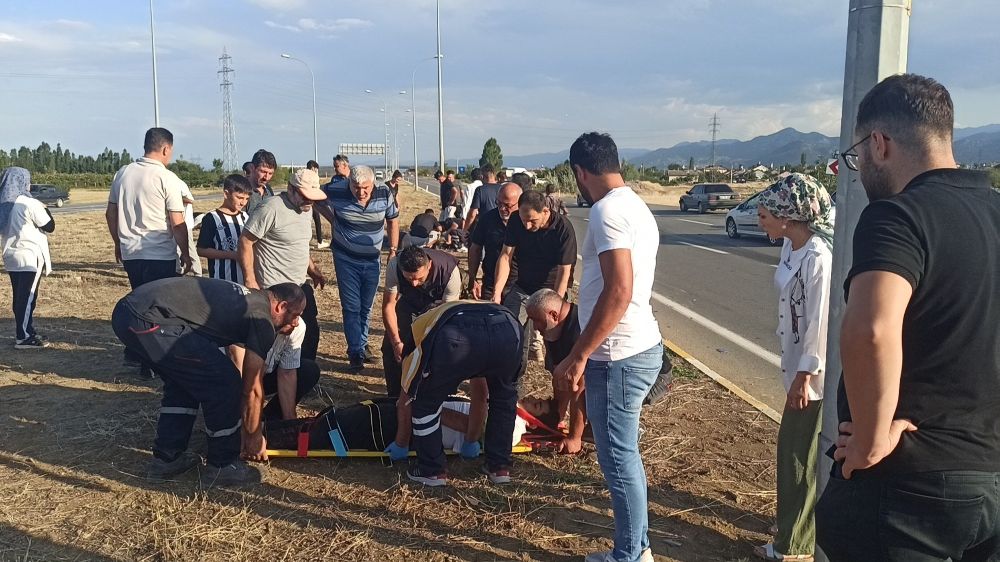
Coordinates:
(358, 230)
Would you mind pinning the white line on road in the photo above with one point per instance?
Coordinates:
(706, 248)
(737, 339)
(697, 222)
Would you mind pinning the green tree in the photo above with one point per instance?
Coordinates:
(492, 155)
(691, 163)
(673, 166)
(217, 165)
(629, 172)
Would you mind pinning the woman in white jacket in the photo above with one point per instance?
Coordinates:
(24, 221)
(798, 209)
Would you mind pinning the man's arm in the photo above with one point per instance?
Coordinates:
(392, 228)
(475, 257)
(562, 279)
(404, 425)
(244, 251)
(325, 211)
(316, 274)
(616, 269)
(871, 349)
(111, 217)
(470, 222)
(179, 229)
(502, 272)
(254, 445)
(287, 381)
(391, 322)
(573, 441)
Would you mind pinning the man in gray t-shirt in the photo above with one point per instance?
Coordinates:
(274, 247)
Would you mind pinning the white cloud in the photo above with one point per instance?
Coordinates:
(274, 25)
(280, 4)
(325, 27)
(73, 24)
(8, 38)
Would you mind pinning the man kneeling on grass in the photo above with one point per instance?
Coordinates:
(177, 326)
(460, 341)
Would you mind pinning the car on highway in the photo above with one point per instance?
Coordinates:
(580, 201)
(742, 219)
(50, 194)
(709, 196)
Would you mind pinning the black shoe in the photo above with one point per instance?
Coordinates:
(357, 363)
(237, 473)
(30, 342)
(160, 470)
(433, 480)
(370, 356)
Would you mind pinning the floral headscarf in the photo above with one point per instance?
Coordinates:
(801, 197)
(13, 182)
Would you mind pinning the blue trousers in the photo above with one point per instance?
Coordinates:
(357, 280)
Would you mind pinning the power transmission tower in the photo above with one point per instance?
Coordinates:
(229, 162)
(713, 126)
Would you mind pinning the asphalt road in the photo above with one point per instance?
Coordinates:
(71, 208)
(713, 296)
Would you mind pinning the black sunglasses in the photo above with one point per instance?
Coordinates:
(850, 155)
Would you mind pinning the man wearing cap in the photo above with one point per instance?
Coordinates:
(360, 216)
(274, 248)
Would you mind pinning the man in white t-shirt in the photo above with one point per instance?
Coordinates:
(619, 352)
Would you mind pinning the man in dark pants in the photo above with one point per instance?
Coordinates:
(918, 456)
(455, 342)
(415, 280)
(486, 242)
(177, 326)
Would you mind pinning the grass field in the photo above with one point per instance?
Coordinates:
(75, 436)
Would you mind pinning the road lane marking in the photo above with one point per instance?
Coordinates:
(706, 248)
(698, 222)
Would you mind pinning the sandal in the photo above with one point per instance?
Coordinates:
(767, 552)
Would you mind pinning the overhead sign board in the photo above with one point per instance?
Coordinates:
(361, 149)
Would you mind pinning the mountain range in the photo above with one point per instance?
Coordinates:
(972, 145)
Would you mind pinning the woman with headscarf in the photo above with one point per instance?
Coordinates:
(24, 221)
(798, 209)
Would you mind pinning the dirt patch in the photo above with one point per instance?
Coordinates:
(75, 434)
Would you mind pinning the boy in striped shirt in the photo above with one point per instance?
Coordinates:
(220, 230)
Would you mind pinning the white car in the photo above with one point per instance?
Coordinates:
(742, 220)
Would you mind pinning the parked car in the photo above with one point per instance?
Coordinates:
(742, 219)
(47, 193)
(709, 196)
(580, 201)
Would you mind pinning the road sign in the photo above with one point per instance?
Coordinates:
(832, 166)
(461, 169)
(364, 149)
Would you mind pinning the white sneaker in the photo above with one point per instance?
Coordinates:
(646, 556)
(323, 245)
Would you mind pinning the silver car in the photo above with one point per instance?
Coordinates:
(742, 219)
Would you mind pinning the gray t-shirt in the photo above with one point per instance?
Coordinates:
(281, 254)
(145, 193)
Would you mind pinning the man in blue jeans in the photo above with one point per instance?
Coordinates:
(619, 352)
(360, 217)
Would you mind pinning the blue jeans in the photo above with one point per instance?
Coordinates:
(357, 279)
(615, 390)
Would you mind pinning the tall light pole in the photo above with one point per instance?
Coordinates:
(385, 120)
(413, 117)
(315, 126)
(156, 91)
(440, 57)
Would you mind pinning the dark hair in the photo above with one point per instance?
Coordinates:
(438, 174)
(502, 175)
(487, 169)
(246, 167)
(550, 188)
(263, 158)
(312, 165)
(287, 292)
(341, 158)
(429, 211)
(596, 153)
(235, 183)
(411, 259)
(534, 200)
(451, 172)
(551, 418)
(911, 108)
(522, 179)
(397, 174)
(476, 174)
(156, 137)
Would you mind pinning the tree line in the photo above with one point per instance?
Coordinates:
(45, 159)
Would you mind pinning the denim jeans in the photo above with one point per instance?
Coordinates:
(615, 390)
(357, 279)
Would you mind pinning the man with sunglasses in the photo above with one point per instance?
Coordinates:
(918, 456)
(486, 242)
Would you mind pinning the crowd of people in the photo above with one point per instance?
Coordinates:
(915, 466)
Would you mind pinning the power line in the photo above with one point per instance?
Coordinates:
(229, 161)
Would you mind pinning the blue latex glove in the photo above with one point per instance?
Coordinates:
(396, 452)
(470, 450)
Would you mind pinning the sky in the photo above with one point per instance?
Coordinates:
(534, 74)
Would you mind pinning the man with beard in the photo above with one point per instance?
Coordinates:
(262, 167)
(917, 459)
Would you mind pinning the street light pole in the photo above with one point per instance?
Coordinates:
(440, 56)
(315, 125)
(156, 92)
(413, 112)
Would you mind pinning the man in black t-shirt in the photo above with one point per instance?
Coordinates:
(918, 457)
(177, 327)
(421, 228)
(485, 198)
(486, 242)
(449, 195)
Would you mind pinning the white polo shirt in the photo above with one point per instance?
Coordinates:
(621, 220)
(145, 191)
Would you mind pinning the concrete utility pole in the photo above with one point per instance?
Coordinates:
(440, 57)
(877, 36)
(156, 90)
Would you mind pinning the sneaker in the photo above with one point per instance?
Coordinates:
(498, 476)
(646, 556)
(370, 355)
(357, 363)
(237, 473)
(30, 342)
(322, 245)
(160, 470)
(427, 480)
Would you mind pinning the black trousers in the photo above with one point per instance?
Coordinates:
(305, 379)
(195, 373)
(394, 369)
(310, 344)
(318, 223)
(920, 517)
(139, 273)
(24, 285)
(484, 343)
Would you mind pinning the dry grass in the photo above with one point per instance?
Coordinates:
(74, 435)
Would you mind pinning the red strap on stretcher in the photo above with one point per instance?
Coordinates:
(537, 424)
(303, 449)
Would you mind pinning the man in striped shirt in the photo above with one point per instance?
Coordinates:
(360, 217)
